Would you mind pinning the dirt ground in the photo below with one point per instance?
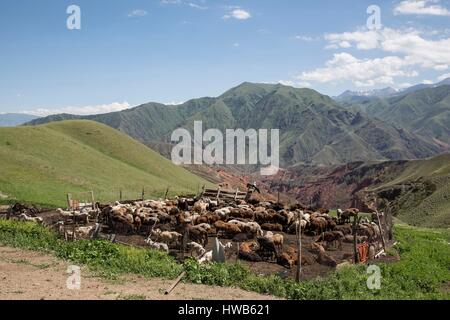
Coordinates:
(27, 275)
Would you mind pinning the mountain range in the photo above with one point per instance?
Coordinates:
(388, 92)
(15, 119)
(314, 128)
(424, 112)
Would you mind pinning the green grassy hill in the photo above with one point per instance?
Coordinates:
(41, 164)
(420, 193)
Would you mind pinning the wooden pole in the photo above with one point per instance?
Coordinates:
(381, 230)
(177, 281)
(120, 195)
(143, 194)
(93, 200)
(69, 201)
(299, 250)
(355, 249)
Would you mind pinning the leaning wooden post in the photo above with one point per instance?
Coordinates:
(177, 281)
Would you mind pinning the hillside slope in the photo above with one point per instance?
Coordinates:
(424, 112)
(41, 164)
(314, 129)
(417, 192)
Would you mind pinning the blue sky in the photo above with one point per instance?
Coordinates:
(135, 51)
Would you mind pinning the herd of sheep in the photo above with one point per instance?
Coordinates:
(257, 228)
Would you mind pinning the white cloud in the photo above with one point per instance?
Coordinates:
(137, 13)
(287, 83)
(238, 13)
(174, 103)
(185, 3)
(362, 72)
(86, 110)
(197, 6)
(364, 40)
(306, 38)
(408, 42)
(444, 76)
(427, 81)
(421, 7)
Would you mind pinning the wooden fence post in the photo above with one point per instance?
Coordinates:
(93, 201)
(355, 249)
(120, 195)
(69, 200)
(143, 194)
(381, 230)
(299, 250)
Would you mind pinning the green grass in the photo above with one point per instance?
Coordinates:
(109, 260)
(428, 203)
(42, 164)
(422, 273)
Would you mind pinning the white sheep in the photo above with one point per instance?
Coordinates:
(205, 226)
(200, 206)
(24, 217)
(167, 237)
(196, 248)
(206, 258)
(156, 245)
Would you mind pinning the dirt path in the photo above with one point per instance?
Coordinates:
(27, 275)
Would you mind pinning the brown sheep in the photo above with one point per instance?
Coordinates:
(318, 225)
(332, 237)
(285, 260)
(272, 227)
(344, 217)
(198, 235)
(228, 230)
